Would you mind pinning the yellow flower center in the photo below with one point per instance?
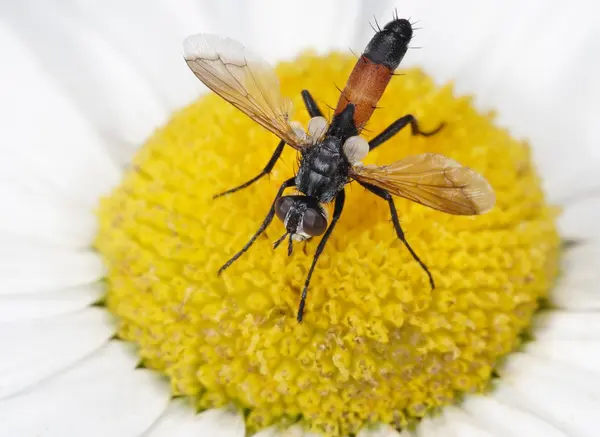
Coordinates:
(377, 344)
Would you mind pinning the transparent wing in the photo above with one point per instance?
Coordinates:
(244, 80)
(434, 181)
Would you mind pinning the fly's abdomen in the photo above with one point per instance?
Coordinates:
(374, 69)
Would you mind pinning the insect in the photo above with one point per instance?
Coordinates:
(330, 154)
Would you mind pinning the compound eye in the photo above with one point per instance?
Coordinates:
(282, 207)
(314, 222)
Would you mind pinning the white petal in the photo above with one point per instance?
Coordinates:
(48, 148)
(563, 325)
(579, 354)
(151, 41)
(23, 307)
(44, 218)
(297, 26)
(100, 80)
(381, 430)
(435, 28)
(31, 271)
(33, 351)
(502, 420)
(460, 424)
(561, 184)
(180, 420)
(431, 427)
(101, 396)
(297, 430)
(551, 103)
(578, 287)
(565, 397)
(576, 374)
(580, 220)
(176, 421)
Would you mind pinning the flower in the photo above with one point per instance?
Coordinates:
(61, 372)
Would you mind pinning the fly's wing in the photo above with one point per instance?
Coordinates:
(244, 80)
(434, 181)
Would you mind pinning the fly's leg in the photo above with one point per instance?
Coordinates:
(397, 126)
(337, 212)
(311, 105)
(384, 194)
(289, 183)
(264, 172)
(313, 110)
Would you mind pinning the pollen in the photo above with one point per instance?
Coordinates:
(377, 344)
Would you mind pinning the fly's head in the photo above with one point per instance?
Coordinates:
(302, 216)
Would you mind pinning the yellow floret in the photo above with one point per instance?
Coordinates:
(377, 344)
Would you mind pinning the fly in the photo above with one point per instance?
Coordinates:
(330, 154)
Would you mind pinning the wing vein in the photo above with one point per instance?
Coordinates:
(244, 80)
(432, 180)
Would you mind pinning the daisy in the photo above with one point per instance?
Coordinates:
(85, 85)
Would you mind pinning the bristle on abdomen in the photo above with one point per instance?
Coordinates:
(374, 69)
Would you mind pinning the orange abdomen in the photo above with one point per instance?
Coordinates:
(364, 88)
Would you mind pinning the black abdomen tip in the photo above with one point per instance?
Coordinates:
(389, 45)
(401, 27)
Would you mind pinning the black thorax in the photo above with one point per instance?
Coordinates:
(324, 168)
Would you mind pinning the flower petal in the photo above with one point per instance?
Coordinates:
(181, 420)
(578, 287)
(565, 397)
(514, 71)
(23, 307)
(579, 219)
(332, 25)
(152, 45)
(502, 420)
(579, 354)
(30, 270)
(49, 148)
(33, 351)
(431, 426)
(434, 26)
(176, 421)
(44, 218)
(381, 430)
(101, 396)
(564, 325)
(461, 424)
(100, 80)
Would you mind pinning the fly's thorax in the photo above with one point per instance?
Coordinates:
(323, 170)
